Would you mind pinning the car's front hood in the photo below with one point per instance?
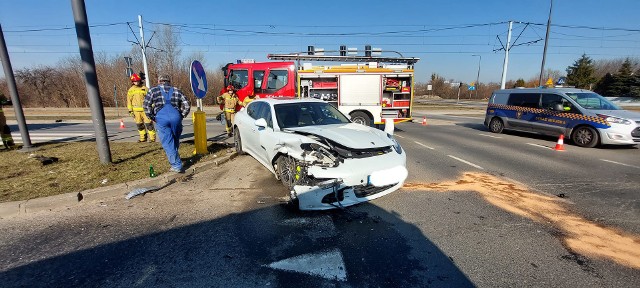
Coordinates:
(350, 135)
(626, 114)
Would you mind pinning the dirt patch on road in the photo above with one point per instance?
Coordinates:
(579, 234)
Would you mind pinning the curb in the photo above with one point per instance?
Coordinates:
(15, 208)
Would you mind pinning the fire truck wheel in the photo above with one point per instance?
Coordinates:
(361, 118)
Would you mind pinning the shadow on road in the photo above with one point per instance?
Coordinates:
(235, 251)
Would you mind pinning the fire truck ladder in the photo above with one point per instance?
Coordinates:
(361, 59)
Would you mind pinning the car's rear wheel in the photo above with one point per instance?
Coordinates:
(361, 118)
(496, 125)
(585, 136)
(237, 141)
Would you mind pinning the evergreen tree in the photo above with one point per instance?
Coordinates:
(580, 74)
(622, 81)
(520, 83)
(603, 87)
(635, 84)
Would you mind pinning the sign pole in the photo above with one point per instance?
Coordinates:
(199, 88)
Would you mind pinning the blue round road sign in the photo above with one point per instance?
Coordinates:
(198, 80)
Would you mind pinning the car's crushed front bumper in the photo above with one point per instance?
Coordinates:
(352, 182)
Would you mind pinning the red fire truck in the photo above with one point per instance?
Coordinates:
(367, 88)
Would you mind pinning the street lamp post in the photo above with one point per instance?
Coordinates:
(478, 76)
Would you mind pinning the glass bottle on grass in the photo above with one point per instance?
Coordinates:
(152, 173)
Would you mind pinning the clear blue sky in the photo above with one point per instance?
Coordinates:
(444, 34)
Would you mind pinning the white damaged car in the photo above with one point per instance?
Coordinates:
(319, 155)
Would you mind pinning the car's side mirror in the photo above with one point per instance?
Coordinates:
(558, 107)
(261, 123)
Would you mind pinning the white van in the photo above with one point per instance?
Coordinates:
(585, 117)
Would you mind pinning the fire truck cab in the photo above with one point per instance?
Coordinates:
(370, 90)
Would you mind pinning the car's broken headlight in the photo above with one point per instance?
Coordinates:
(396, 145)
(318, 155)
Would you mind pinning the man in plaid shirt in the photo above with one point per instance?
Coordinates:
(167, 106)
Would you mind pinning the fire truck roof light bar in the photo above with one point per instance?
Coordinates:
(292, 57)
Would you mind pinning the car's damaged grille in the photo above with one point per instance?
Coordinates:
(362, 153)
(368, 190)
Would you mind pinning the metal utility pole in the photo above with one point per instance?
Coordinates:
(91, 79)
(506, 57)
(13, 90)
(546, 41)
(478, 76)
(144, 53)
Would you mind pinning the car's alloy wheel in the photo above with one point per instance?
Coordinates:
(496, 125)
(237, 141)
(585, 136)
(287, 171)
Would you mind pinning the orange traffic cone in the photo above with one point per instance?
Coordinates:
(121, 123)
(560, 144)
(424, 121)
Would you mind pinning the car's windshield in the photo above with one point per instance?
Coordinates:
(592, 101)
(307, 114)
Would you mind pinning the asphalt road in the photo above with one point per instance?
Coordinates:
(479, 209)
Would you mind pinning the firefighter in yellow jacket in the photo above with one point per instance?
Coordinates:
(135, 98)
(5, 132)
(248, 99)
(230, 100)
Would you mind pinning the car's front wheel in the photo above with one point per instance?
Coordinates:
(287, 171)
(237, 141)
(496, 125)
(585, 136)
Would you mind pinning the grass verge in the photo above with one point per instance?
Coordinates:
(79, 167)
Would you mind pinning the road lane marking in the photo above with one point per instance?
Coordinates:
(329, 265)
(537, 145)
(614, 162)
(465, 161)
(424, 145)
(398, 136)
(487, 135)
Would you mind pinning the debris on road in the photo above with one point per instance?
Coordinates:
(139, 191)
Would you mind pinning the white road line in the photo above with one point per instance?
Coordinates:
(614, 162)
(398, 136)
(537, 145)
(465, 161)
(425, 146)
(328, 264)
(487, 135)
(59, 135)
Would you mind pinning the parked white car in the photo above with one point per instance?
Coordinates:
(325, 160)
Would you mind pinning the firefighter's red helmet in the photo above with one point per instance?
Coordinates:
(230, 88)
(135, 77)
